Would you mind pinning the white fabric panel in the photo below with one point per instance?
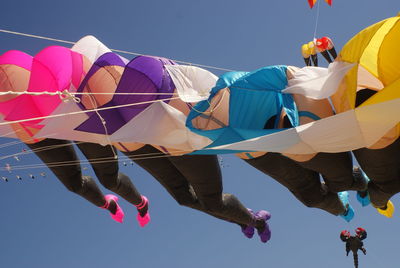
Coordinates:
(333, 134)
(277, 142)
(318, 82)
(6, 131)
(376, 120)
(366, 80)
(92, 48)
(343, 132)
(160, 124)
(63, 127)
(192, 83)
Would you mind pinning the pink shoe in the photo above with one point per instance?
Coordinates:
(146, 218)
(119, 213)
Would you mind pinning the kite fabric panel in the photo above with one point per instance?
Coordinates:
(152, 100)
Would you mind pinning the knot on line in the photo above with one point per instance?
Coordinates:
(67, 96)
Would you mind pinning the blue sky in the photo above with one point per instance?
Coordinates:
(43, 225)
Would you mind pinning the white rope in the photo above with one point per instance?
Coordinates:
(84, 111)
(68, 95)
(37, 36)
(62, 93)
(115, 50)
(83, 162)
(123, 93)
(44, 148)
(11, 143)
(103, 122)
(316, 22)
(64, 96)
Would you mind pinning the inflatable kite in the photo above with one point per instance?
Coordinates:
(302, 118)
(313, 2)
(354, 243)
(141, 86)
(373, 84)
(44, 72)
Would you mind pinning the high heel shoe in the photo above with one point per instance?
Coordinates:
(119, 214)
(143, 221)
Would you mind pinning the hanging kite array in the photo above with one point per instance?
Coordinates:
(172, 120)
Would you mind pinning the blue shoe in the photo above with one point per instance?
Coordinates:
(361, 180)
(363, 198)
(349, 213)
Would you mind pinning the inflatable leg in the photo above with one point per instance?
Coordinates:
(388, 210)
(349, 214)
(204, 174)
(336, 170)
(52, 151)
(106, 168)
(382, 166)
(303, 183)
(177, 184)
(362, 196)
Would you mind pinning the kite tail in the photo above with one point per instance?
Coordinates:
(355, 256)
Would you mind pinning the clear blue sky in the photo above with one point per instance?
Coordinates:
(43, 225)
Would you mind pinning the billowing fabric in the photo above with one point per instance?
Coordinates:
(193, 84)
(91, 49)
(346, 131)
(240, 105)
(352, 128)
(318, 82)
(374, 50)
(140, 86)
(46, 74)
(6, 130)
(233, 118)
(375, 53)
(144, 74)
(53, 69)
(375, 81)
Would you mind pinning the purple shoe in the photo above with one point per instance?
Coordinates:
(248, 230)
(265, 233)
(263, 214)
